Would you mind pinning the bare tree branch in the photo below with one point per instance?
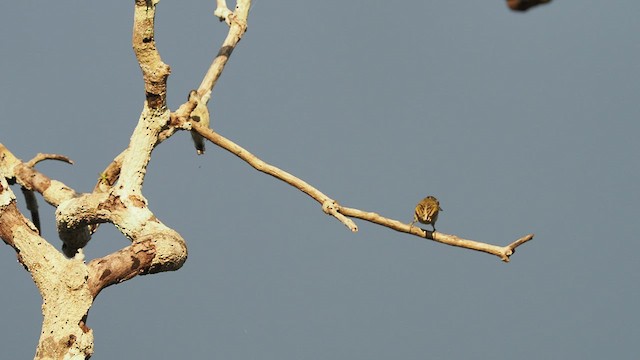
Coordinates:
(503, 252)
(69, 286)
(54, 192)
(41, 157)
(341, 213)
(262, 166)
(154, 71)
(61, 282)
(29, 196)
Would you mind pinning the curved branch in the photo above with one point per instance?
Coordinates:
(59, 280)
(153, 253)
(54, 192)
(41, 157)
(29, 196)
(277, 173)
(342, 213)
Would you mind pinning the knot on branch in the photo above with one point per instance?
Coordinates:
(329, 206)
(238, 18)
(170, 252)
(223, 13)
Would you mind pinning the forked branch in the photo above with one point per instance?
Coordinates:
(342, 213)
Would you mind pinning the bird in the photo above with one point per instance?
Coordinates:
(200, 114)
(427, 211)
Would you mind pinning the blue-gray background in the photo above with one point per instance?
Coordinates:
(518, 123)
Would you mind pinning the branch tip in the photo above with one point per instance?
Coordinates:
(41, 157)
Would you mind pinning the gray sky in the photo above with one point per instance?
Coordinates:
(517, 123)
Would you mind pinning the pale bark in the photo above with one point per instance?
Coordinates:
(67, 284)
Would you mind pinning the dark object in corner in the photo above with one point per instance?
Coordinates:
(524, 5)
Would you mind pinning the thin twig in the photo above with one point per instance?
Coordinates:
(343, 214)
(503, 252)
(237, 27)
(41, 157)
(262, 166)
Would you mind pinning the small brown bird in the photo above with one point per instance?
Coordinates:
(200, 114)
(427, 211)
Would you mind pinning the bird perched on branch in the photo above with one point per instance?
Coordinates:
(201, 115)
(427, 212)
